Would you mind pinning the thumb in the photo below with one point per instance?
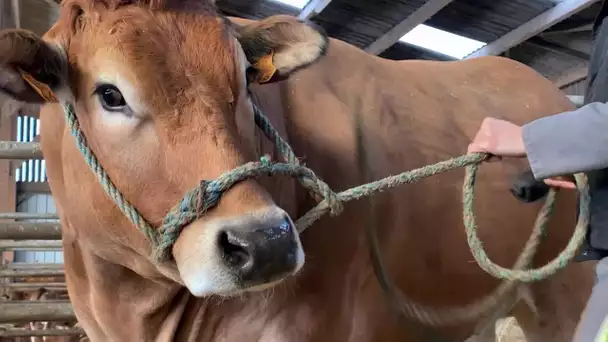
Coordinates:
(480, 148)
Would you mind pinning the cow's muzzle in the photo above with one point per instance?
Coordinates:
(247, 252)
(527, 189)
(262, 253)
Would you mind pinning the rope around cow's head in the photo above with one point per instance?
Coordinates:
(199, 200)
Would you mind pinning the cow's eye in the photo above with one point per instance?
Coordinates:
(111, 98)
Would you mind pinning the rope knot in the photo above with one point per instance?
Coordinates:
(334, 202)
(209, 193)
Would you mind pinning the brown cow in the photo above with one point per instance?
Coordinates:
(160, 93)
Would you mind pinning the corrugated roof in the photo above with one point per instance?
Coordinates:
(546, 62)
(406, 51)
(585, 16)
(361, 22)
(487, 20)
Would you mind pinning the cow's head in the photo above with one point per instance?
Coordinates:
(160, 90)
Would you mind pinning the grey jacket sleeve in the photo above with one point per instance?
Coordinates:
(569, 142)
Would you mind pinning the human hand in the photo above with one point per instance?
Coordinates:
(565, 182)
(499, 138)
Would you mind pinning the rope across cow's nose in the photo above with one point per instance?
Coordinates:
(201, 199)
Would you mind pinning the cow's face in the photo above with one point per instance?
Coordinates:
(160, 94)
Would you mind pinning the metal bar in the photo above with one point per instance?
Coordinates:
(30, 266)
(20, 150)
(541, 22)
(558, 48)
(31, 188)
(30, 273)
(16, 13)
(572, 29)
(419, 16)
(7, 17)
(28, 311)
(53, 3)
(29, 216)
(30, 244)
(30, 231)
(48, 332)
(33, 286)
(313, 8)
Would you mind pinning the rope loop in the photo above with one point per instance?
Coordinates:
(528, 275)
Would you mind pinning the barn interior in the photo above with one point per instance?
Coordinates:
(551, 36)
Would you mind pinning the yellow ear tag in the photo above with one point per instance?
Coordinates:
(266, 68)
(42, 89)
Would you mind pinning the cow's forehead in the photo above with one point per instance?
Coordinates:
(162, 53)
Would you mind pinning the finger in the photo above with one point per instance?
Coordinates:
(560, 183)
(475, 148)
(568, 178)
(478, 146)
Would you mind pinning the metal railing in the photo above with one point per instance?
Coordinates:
(30, 231)
(13, 150)
(17, 232)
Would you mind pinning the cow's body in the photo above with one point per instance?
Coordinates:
(354, 118)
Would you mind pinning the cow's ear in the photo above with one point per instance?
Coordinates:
(30, 68)
(279, 45)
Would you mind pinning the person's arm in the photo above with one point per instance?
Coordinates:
(569, 142)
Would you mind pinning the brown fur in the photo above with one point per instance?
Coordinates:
(353, 118)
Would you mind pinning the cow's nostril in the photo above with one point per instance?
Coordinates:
(234, 251)
(259, 252)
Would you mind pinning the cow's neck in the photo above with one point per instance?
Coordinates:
(125, 306)
(117, 299)
(285, 191)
